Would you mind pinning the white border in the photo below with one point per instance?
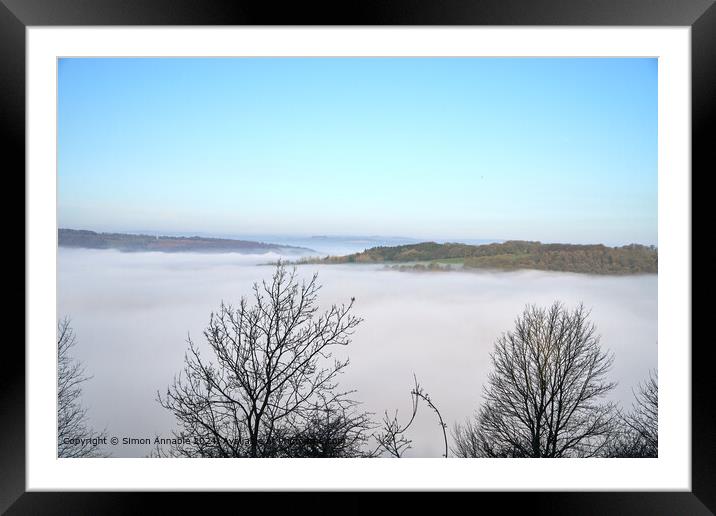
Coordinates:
(671, 471)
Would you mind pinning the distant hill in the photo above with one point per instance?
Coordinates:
(511, 255)
(167, 244)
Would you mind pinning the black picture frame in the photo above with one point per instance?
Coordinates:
(700, 15)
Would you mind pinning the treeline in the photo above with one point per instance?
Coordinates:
(516, 254)
(85, 239)
(267, 386)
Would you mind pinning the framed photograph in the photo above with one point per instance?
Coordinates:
(398, 250)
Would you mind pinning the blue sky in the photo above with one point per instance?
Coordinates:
(557, 150)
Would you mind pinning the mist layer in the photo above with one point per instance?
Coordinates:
(132, 314)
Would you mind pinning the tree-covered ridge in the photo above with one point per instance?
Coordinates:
(516, 254)
(167, 244)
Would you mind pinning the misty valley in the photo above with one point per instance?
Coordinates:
(420, 338)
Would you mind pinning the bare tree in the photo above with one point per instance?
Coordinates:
(544, 396)
(466, 439)
(75, 438)
(644, 417)
(328, 431)
(272, 380)
(391, 438)
(639, 432)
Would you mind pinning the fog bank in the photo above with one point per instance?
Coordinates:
(132, 313)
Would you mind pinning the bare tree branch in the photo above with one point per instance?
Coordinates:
(638, 435)
(271, 389)
(391, 437)
(544, 396)
(75, 438)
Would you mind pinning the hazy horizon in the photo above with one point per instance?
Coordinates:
(319, 236)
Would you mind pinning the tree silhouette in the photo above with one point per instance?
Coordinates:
(544, 396)
(639, 432)
(75, 438)
(271, 388)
